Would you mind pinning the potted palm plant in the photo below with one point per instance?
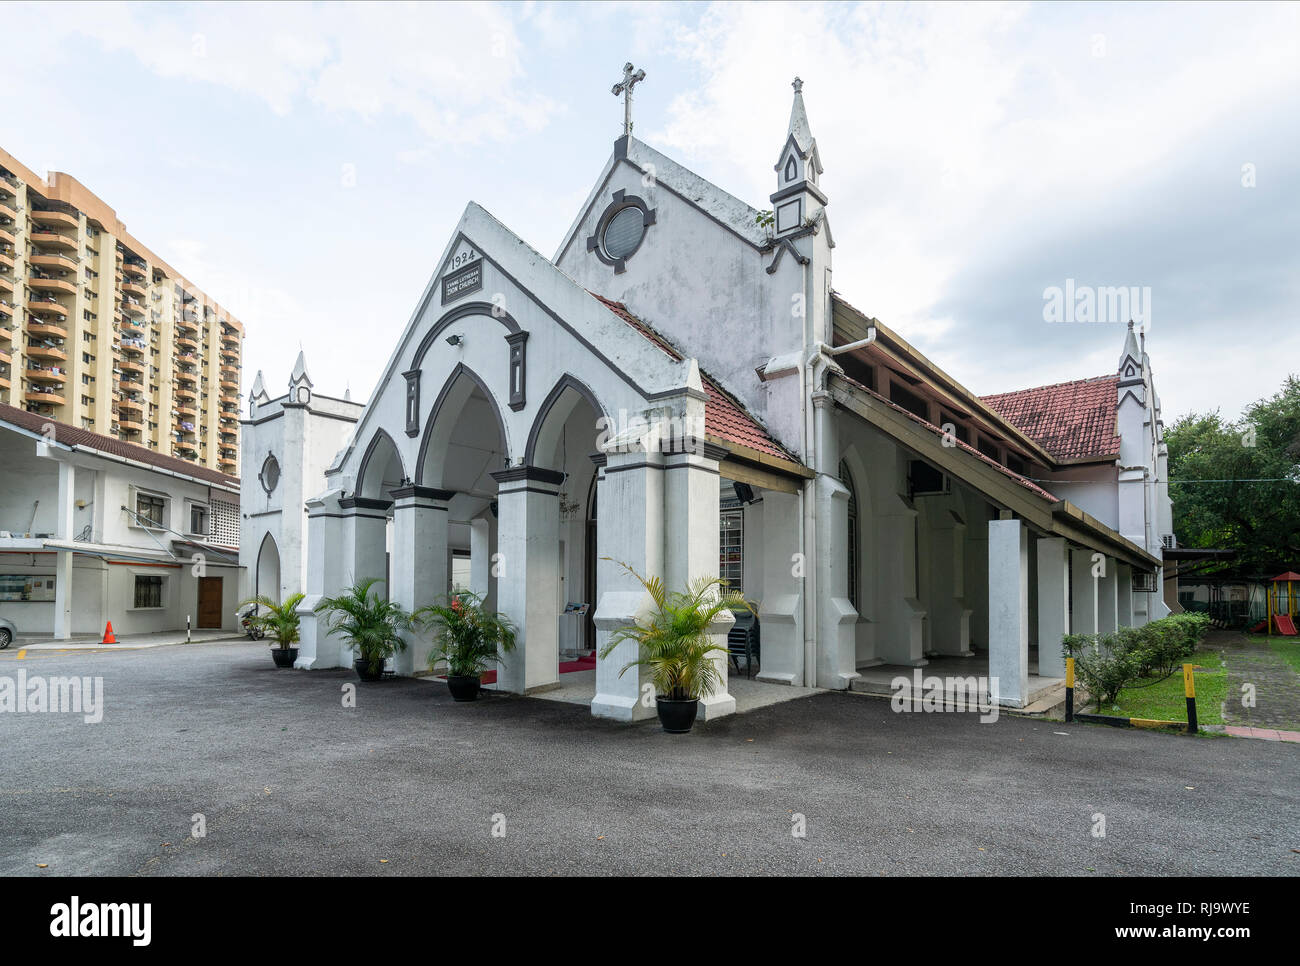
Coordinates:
(674, 643)
(468, 637)
(369, 624)
(280, 621)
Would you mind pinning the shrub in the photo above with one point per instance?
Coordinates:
(1107, 663)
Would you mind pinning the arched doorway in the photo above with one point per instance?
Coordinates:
(267, 576)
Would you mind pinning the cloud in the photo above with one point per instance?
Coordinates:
(455, 70)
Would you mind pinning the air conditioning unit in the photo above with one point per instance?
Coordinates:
(1169, 541)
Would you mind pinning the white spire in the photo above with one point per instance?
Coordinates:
(300, 376)
(799, 128)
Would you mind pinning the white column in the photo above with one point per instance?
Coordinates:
(1009, 610)
(1083, 590)
(63, 602)
(1108, 598)
(528, 580)
(1053, 605)
(365, 523)
(1124, 594)
(691, 521)
(419, 563)
(480, 557)
(317, 647)
(630, 510)
(780, 615)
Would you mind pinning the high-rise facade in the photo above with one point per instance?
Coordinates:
(97, 331)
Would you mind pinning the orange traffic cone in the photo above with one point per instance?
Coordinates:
(108, 634)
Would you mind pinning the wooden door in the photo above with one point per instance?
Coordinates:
(209, 602)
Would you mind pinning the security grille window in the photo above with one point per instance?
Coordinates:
(852, 549)
(1143, 582)
(199, 520)
(623, 233)
(149, 509)
(731, 553)
(224, 520)
(148, 591)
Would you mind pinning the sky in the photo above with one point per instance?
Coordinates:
(305, 164)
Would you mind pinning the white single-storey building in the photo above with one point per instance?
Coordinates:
(94, 529)
(682, 389)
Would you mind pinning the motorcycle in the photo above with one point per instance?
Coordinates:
(254, 630)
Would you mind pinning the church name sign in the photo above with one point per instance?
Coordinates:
(462, 281)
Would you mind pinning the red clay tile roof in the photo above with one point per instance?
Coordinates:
(1071, 420)
(724, 416)
(1022, 480)
(75, 436)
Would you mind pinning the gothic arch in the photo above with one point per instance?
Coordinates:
(566, 381)
(433, 426)
(267, 581)
(455, 315)
(376, 441)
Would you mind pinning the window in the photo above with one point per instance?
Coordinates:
(198, 519)
(988, 448)
(902, 396)
(731, 553)
(852, 542)
(958, 430)
(26, 587)
(148, 591)
(623, 233)
(149, 510)
(1015, 464)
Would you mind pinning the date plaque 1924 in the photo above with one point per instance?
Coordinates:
(462, 281)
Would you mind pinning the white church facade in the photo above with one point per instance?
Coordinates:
(681, 389)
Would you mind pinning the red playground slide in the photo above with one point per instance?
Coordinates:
(1284, 625)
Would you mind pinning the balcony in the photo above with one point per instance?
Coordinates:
(48, 283)
(7, 260)
(7, 214)
(43, 375)
(228, 463)
(46, 352)
(134, 405)
(183, 410)
(183, 430)
(131, 366)
(7, 283)
(46, 306)
(45, 397)
(7, 236)
(184, 325)
(186, 343)
(229, 388)
(53, 240)
(54, 219)
(133, 347)
(127, 419)
(136, 270)
(134, 288)
(41, 327)
(55, 261)
(133, 308)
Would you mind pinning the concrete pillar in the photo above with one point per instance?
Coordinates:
(630, 502)
(419, 563)
(1124, 594)
(326, 576)
(691, 485)
(1083, 590)
(1009, 611)
(365, 524)
(1053, 605)
(63, 602)
(837, 618)
(1108, 598)
(528, 580)
(780, 615)
(480, 557)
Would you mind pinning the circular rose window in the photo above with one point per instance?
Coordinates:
(623, 233)
(270, 474)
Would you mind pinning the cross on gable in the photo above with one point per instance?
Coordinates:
(624, 87)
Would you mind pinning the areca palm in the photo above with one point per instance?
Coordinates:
(467, 636)
(369, 624)
(673, 640)
(279, 619)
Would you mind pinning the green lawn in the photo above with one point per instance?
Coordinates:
(1287, 648)
(1165, 701)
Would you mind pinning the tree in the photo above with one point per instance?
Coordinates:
(1236, 485)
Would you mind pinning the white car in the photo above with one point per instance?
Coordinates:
(8, 633)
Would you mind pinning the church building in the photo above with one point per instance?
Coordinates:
(683, 389)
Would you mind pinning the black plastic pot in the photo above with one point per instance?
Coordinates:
(463, 687)
(677, 717)
(284, 656)
(362, 666)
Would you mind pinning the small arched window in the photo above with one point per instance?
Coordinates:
(851, 543)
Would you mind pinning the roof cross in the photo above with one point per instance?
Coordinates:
(624, 87)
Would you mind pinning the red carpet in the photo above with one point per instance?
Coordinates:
(587, 663)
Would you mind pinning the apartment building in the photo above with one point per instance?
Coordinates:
(98, 332)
